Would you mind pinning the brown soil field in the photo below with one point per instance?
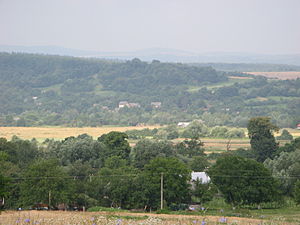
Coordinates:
(122, 218)
(288, 75)
(41, 133)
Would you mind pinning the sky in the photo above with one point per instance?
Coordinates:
(200, 26)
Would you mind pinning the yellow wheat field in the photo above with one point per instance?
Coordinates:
(288, 75)
(41, 133)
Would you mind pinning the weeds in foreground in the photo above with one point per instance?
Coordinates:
(118, 218)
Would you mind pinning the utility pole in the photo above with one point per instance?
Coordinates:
(49, 199)
(161, 190)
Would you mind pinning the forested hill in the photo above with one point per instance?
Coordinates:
(55, 90)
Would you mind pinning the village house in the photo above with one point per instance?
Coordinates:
(156, 105)
(201, 176)
(123, 104)
(134, 105)
(183, 124)
(298, 126)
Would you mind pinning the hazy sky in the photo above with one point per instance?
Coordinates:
(258, 26)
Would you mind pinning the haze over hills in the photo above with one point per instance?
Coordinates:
(162, 54)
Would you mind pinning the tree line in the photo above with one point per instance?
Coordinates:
(82, 172)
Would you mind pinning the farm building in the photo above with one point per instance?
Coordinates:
(123, 104)
(183, 124)
(156, 105)
(298, 126)
(134, 105)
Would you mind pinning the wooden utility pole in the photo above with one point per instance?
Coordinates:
(49, 199)
(228, 145)
(162, 191)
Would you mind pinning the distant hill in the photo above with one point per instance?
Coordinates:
(250, 67)
(162, 54)
(43, 90)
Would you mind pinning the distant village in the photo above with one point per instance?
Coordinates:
(122, 104)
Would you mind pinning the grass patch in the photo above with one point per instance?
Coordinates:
(105, 209)
(127, 217)
(230, 82)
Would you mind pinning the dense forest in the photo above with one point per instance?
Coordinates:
(41, 90)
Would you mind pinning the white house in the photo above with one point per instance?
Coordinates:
(156, 105)
(183, 124)
(200, 176)
(122, 104)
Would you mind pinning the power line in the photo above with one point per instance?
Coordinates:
(151, 174)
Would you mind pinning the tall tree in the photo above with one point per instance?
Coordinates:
(176, 177)
(146, 150)
(286, 166)
(260, 131)
(4, 183)
(45, 182)
(297, 192)
(114, 185)
(82, 148)
(243, 181)
(193, 147)
(117, 144)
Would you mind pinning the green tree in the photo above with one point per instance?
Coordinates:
(18, 151)
(243, 181)
(9, 171)
(297, 192)
(117, 144)
(219, 132)
(170, 132)
(203, 192)
(82, 148)
(82, 174)
(289, 147)
(115, 184)
(4, 188)
(260, 132)
(193, 147)
(286, 166)
(26, 151)
(199, 163)
(146, 150)
(44, 178)
(285, 135)
(8, 150)
(176, 177)
(235, 133)
(195, 130)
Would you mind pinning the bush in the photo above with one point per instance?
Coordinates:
(104, 209)
(163, 211)
(285, 135)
